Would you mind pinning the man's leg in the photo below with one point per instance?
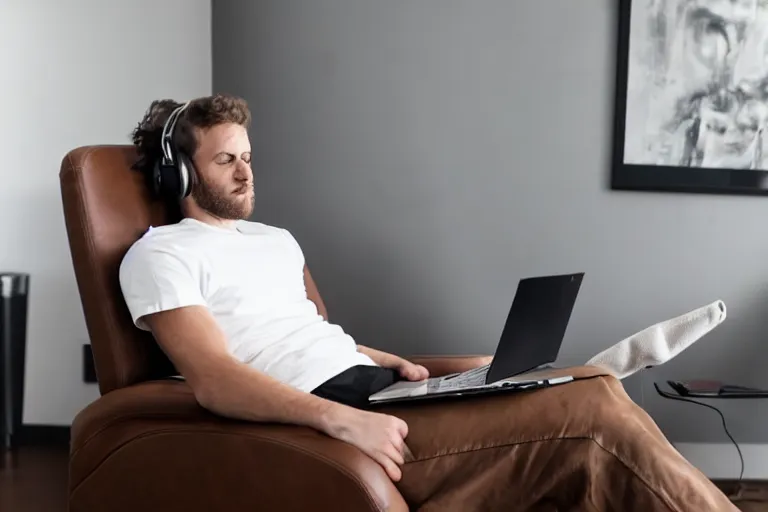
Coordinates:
(580, 446)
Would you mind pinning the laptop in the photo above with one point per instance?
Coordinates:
(524, 358)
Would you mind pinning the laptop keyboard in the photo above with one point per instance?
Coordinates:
(468, 379)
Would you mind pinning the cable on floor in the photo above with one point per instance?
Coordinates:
(722, 417)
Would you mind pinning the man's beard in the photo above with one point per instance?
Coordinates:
(219, 205)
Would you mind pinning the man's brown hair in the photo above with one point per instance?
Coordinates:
(203, 113)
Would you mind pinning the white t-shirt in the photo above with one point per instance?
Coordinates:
(251, 278)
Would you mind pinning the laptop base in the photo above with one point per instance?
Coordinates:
(410, 391)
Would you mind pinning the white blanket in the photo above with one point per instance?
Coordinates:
(661, 342)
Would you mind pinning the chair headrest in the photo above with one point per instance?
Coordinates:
(107, 207)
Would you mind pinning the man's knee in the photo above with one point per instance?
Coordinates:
(618, 425)
(598, 405)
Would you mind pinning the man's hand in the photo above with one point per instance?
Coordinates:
(380, 436)
(411, 371)
(405, 368)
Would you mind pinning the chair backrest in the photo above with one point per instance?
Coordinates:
(107, 207)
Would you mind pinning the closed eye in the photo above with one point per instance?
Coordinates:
(228, 158)
(224, 158)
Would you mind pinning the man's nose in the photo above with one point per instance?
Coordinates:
(243, 172)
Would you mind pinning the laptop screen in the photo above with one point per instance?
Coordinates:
(535, 325)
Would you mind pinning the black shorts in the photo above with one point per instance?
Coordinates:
(354, 386)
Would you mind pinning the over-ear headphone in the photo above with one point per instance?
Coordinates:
(172, 175)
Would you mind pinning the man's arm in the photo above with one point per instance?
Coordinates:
(197, 346)
(406, 368)
(383, 359)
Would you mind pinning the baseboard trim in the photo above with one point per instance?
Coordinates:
(720, 461)
(43, 435)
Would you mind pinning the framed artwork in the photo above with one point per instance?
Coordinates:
(691, 100)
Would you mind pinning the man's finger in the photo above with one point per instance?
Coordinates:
(398, 442)
(402, 427)
(396, 455)
(410, 373)
(390, 467)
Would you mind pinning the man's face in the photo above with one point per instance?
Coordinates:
(225, 180)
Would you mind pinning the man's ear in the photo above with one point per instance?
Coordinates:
(313, 294)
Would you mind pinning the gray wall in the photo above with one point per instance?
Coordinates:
(429, 154)
(76, 73)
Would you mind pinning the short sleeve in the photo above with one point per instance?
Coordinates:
(294, 246)
(154, 279)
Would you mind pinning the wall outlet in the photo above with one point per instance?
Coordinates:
(89, 369)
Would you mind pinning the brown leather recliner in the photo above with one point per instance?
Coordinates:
(146, 444)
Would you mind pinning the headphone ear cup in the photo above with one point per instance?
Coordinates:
(157, 179)
(165, 181)
(186, 175)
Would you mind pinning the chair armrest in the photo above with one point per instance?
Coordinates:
(154, 437)
(439, 366)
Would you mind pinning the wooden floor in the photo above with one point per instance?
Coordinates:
(34, 479)
(749, 496)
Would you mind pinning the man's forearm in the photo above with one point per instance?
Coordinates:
(383, 359)
(240, 392)
(404, 367)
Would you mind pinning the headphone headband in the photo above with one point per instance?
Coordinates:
(169, 129)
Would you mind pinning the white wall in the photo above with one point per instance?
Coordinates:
(76, 73)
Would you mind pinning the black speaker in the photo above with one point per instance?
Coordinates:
(14, 299)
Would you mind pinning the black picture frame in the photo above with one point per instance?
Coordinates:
(666, 178)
